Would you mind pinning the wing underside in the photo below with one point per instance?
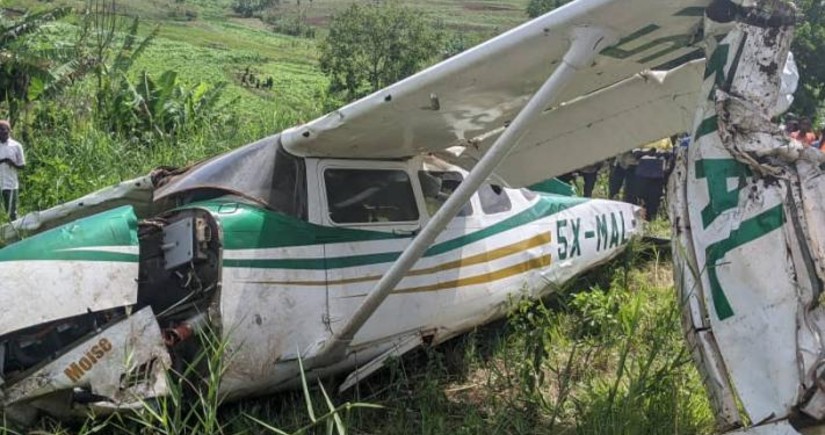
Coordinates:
(639, 110)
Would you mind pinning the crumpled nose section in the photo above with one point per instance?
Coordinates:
(121, 365)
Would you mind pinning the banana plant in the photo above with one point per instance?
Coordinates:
(162, 108)
(29, 69)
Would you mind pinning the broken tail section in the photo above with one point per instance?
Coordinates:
(747, 215)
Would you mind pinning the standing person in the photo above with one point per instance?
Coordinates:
(821, 143)
(12, 159)
(619, 171)
(651, 175)
(590, 174)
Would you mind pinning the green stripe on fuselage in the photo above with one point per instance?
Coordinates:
(77, 241)
(248, 227)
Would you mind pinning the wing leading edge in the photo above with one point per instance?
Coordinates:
(470, 97)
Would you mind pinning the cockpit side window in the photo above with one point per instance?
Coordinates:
(438, 186)
(358, 196)
(494, 199)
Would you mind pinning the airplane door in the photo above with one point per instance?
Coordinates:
(370, 211)
(445, 263)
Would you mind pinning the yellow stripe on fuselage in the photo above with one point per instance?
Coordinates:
(518, 269)
(484, 257)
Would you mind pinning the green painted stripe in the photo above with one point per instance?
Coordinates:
(749, 231)
(548, 205)
(707, 127)
(113, 228)
(314, 263)
(249, 227)
(90, 255)
(693, 11)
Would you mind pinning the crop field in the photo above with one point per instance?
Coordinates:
(602, 356)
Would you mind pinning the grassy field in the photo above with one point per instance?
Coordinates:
(603, 356)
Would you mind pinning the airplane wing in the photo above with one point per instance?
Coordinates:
(649, 106)
(465, 100)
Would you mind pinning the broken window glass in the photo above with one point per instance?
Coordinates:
(263, 172)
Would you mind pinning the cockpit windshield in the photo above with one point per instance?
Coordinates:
(262, 171)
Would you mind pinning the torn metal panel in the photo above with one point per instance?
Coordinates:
(733, 216)
(124, 363)
(136, 193)
(749, 230)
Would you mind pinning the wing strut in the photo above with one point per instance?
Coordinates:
(586, 42)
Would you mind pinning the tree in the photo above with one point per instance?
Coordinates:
(808, 48)
(31, 68)
(371, 46)
(540, 7)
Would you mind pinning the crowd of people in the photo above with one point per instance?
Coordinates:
(640, 176)
(801, 129)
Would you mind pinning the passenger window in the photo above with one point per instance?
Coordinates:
(370, 196)
(494, 199)
(438, 186)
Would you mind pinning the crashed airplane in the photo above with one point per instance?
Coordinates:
(398, 220)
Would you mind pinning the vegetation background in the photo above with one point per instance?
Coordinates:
(100, 92)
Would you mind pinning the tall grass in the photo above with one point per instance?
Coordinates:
(194, 405)
(603, 356)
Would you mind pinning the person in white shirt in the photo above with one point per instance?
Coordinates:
(12, 159)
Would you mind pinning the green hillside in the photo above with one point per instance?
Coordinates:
(204, 40)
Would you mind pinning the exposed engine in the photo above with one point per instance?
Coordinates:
(178, 278)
